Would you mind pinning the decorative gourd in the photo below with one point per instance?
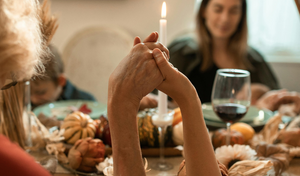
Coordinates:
(246, 130)
(85, 154)
(149, 135)
(177, 117)
(219, 138)
(178, 134)
(78, 126)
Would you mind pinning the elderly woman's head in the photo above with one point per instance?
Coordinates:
(23, 41)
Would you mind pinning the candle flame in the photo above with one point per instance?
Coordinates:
(164, 10)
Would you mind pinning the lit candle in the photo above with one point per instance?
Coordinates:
(163, 98)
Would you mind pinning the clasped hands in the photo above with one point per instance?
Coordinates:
(145, 68)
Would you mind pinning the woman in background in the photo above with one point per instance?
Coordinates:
(222, 43)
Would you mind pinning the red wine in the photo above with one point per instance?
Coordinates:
(230, 112)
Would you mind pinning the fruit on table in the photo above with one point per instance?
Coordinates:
(100, 128)
(177, 117)
(106, 137)
(149, 134)
(219, 138)
(246, 130)
(85, 152)
(78, 126)
(178, 134)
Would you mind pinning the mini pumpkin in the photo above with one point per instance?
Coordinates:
(78, 126)
(219, 138)
(246, 130)
(177, 118)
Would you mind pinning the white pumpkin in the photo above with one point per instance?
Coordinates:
(177, 135)
(78, 126)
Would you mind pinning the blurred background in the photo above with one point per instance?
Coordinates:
(95, 35)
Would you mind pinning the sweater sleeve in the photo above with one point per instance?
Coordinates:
(15, 161)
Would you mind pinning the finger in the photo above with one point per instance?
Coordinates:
(137, 40)
(162, 63)
(165, 54)
(160, 46)
(151, 38)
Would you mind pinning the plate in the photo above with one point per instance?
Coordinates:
(66, 166)
(255, 117)
(61, 109)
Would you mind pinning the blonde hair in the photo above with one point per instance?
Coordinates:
(26, 30)
(24, 37)
(237, 44)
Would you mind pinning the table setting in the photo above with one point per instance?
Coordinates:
(73, 137)
(247, 139)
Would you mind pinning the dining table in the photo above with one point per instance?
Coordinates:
(60, 170)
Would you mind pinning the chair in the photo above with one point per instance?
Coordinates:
(91, 56)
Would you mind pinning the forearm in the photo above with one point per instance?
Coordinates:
(124, 133)
(199, 154)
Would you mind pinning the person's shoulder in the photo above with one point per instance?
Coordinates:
(71, 92)
(185, 44)
(254, 55)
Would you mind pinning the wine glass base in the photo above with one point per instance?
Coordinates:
(162, 166)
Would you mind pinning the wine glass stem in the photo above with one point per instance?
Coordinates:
(228, 133)
(162, 143)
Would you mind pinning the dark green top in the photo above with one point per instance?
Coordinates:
(185, 56)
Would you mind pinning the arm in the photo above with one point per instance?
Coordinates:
(200, 157)
(135, 76)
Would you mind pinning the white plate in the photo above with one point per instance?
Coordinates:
(61, 109)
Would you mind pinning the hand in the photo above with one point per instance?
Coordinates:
(137, 74)
(175, 84)
(85, 154)
(151, 43)
(274, 99)
(290, 98)
(270, 100)
(289, 137)
(148, 102)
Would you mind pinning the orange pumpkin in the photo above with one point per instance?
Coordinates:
(177, 117)
(219, 138)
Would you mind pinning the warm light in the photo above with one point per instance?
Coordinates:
(164, 10)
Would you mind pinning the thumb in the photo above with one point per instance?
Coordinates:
(136, 41)
(162, 63)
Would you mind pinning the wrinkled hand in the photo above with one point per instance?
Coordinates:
(274, 99)
(137, 74)
(148, 102)
(85, 154)
(151, 43)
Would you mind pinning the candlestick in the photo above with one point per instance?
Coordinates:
(162, 97)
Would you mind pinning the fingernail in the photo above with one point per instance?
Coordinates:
(156, 54)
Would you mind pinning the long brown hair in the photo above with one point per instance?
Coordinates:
(237, 43)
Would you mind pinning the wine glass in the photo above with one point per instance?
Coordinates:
(231, 96)
(162, 121)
